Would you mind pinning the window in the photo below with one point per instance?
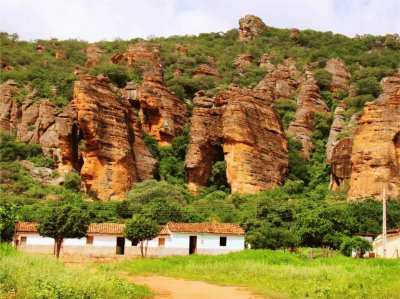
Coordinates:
(134, 243)
(89, 240)
(222, 241)
(161, 242)
(23, 240)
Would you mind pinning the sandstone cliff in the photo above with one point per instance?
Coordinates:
(107, 136)
(241, 128)
(337, 127)
(309, 102)
(340, 74)
(376, 151)
(10, 108)
(93, 54)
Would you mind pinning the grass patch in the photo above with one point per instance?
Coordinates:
(279, 274)
(29, 276)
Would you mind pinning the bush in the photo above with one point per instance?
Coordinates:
(73, 181)
(359, 244)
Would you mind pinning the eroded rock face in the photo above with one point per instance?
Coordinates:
(340, 161)
(309, 102)
(241, 128)
(113, 154)
(340, 74)
(249, 27)
(146, 56)
(182, 49)
(337, 127)
(243, 61)
(162, 115)
(38, 125)
(10, 108)
(376, 151)
(283, 77)
(93, 54)
(60, 54)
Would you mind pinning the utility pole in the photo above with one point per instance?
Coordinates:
(384, 223)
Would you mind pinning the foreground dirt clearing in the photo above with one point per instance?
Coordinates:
(172, 288)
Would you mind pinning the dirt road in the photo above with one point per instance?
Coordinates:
(172, 288)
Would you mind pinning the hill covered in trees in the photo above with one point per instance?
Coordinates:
(276, 129)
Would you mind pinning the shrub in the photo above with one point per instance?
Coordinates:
(73, 181)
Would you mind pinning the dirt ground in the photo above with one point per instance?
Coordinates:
(172, 288)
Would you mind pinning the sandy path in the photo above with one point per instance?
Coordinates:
(172, 288)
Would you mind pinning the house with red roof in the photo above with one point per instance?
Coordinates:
(107, 239)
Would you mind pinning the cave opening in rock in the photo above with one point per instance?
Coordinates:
(218, 179)
(78, 146)
(396, 140)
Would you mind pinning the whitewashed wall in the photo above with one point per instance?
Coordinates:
(392, 246)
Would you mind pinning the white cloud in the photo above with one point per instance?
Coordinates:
(107, 19)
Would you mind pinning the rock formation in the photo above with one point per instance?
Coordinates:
(376, 151)
(340, 161)
(10, 108)
(162, 115)
(182, 49)
(309, 102)
(265, 61)
(93, 54)
(337, 127)
(60, 54)
(284, 78)
(294, 32)
(243, 61)
(40, 49)
(340, 74)
(249, 27)
(102, 128)
(38, 125)
(241, 128)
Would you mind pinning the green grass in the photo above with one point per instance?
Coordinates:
(277, 274)
(29, 276)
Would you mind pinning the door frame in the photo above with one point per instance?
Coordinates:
(120, 244)
(192, 244)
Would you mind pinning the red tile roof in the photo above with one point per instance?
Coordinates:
(206, 227)
(26, 226)
(94, 228)
(164, 230)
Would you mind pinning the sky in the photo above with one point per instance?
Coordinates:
(94, 20)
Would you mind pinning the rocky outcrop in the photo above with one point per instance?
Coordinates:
(206, 70)
(266, 61)
(340, 74)
(102, 128)
(337, 127)
(241, 128)
(376, 151)
(40, 49)
(249, 27)
(309, 102)
(10, 108)
(181, 49)
(146, 56)
(293, 35)
(341, 166)
(162, 115)
(283, 77)
(93, 54)
(59, 54)
(243, 61)
(38, 125)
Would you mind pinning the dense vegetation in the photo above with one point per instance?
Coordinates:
(278, 274)
(30, 276)
(302, 212)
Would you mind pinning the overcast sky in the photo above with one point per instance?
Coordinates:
(94, 20)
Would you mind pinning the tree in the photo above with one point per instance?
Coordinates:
(140, 230)
(64, 222)
(7, 222)
(360, 245)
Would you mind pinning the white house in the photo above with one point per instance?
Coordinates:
(106, 239)
(392, 244)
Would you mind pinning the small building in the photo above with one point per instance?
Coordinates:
(392, 244)
(106, 239)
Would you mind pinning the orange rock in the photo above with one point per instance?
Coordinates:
(114, 154)
(249, 27)
(241, 128)
(60, 54)
(376, 151)
(243, 61)
(40, 49)
(163, 116)
(340, 74)
(93, 54)
(182, 49)
(10, 108)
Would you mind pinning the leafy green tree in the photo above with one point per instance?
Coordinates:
(323, 78)
(73, 181)
(359, 244)
(141, 229)
(64, 222)
(8, 218)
